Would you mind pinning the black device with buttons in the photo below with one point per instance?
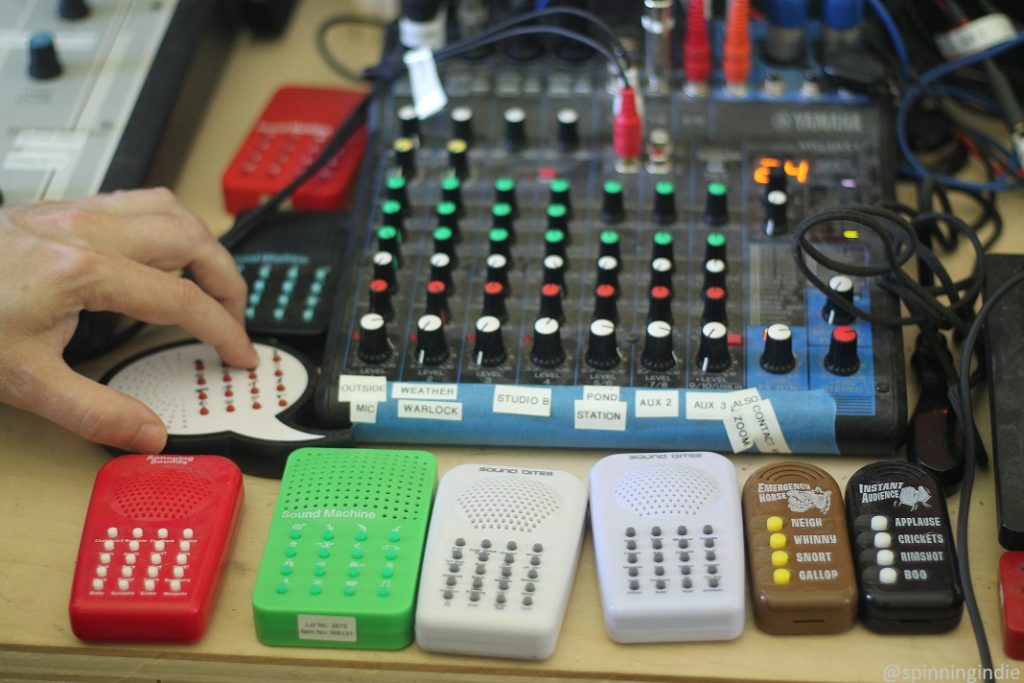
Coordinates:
(903, 550)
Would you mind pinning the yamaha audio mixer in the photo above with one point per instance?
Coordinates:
(518, 281)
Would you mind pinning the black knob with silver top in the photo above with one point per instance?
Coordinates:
(489, 347)
(408, 122)
(462, 124)
(547, 351)
(713, 350)
(714, 273)
(776, 219)
(833, 313)
(568, 136)
(431, 346)
(657, 354)
(777, 357)
(602, 351)
(374, 346)
(515, 128)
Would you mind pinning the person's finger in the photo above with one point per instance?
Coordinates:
(151, 295)
(49, 388)
(145, 200)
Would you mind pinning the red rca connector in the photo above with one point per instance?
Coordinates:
(1011, 598)
(736, 47)
(696, 50)
(627, 133)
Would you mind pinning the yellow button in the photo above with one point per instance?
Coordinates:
(775, 523)
(781, 576)
(777, 541)
(780, 558)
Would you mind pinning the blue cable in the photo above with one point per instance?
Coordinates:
(895, 37)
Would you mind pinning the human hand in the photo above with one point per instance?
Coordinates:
(108, 253)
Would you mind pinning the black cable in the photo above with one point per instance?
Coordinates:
(325, 52)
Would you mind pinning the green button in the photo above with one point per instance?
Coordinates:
(391, 206)
(286, 570)
(554, 236)
(282, 587)
(290, 552)
(357, 554)
(716, 239)
(319, 570)
(609, 237)
(446, 209)
(387, 572)
(278, 314)
(613, 187)
(250, 312)
(383, 591)
(450, 183)
(662, 238)
(664, 187)
(360, 535)
(353, 572)
(559, 185)
(387, 232)
(394, 537)
(328, 535)
(498, 235)
(349, 590)
(504, 184)
(294, 533)
(501, 209)
(442, 233)
(556, 210)
(316, 589)
(716, 188)
(395, 182)
(324, 553)
(391, 554)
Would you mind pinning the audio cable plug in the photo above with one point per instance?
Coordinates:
(627, 133)
(736, 48)
(696, 51)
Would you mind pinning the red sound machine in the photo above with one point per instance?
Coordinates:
(154, 546)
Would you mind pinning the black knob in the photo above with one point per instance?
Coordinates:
(664, 203)
(608, 271)
(385, 268)
(462, 124)
(444, 243)
(515, 129)
(494, 301)
(613, 210)
(659, 306)
(451, 191)
(568, 138)
(501, 217)
(714, 273)
(72, 9)
(380, 299)
(777, 357)
(558, 193)
(448, 216)
(602, 351)
(661, 273)
(551, 302)
(405, 156)
(431, 347)
(437, 300)
(42, 57)
(558, 218)
(833, 313)
(608, 243)
(396, 189)
(489, 347)
(505, 192)
(458, 158)
(776, 220)
(441, 269)
(842, 358)
(374, 347)
(547, 351)
(497, 270)
(777, 180)
(714, 247)
(716, 210)
(713, 350)
(408, 122)
(714, 305)
(392, 214)
(657, 354)
(554, 271)
(389, 240)
(554, 243)
(499, 242)
(662, 247)
(605, 298)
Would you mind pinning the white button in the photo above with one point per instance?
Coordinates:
(187, 533)
(129, 558)
(879, 523)
(152, 572)
(883, 540)
(150, 584)
(185, 546)
(105, 558)
(108, 545)
(162, 533)
(175, 585)
(182, 558)
(126, 572)
(887, 575)
(137, 532)
(159, 546)
(154, 558)
(122, 584)
(885, 557)
(97, 584)
(101, 572)
(179, 572)
(112, 532)
(133, 546)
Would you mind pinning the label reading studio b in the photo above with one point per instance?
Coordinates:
(513, 400)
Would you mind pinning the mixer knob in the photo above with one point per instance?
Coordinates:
(716, 209)
(431, 347)
(494, 301)
(662, 246)
(558, 193)
(451, 191)
(42, 57)
(713, 350)
(441, 269)
(384, 267)
(602, 352)
(547, 351)
(380, 299)
(659, 306)
(72, 9)
(498, 242)
(608, 271)
(558, 218)
(505, 192)
(497, 270)
(605, 297)
(714, 247)
(657, 354)
(501, 217)
(842, 358)
(392, 214)
(388, 240)
(714, 305)
(554, 271)
(777, 357)
(776, 221)
(448, 215)
(612, 208)
(714, 273)
(458, 157)
(396, 190)
(777, 180)
(489, 347)
(833, 313)
(661, 273)
(551, 302)
(374, 347)
(462, 124)
(568, 132)
(444, 243)
(608, 243)
(515, 128)
(554, 243)
(437, 300)
(405, 156)
(664, 202)
(408, 122)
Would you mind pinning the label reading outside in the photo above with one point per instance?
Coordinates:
(656, 403)
(362, 387)
(606, 415)
(427, 390)
(430, 410)
(322, 627)
(515, 400)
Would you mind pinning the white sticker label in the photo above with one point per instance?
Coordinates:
(656, 403)
(362, 388)
(738, 429)
(707, 405)
(605, 415)
(599, 393)
(44, 149)
(975, 36)
(362, 411)
(514, 400)
(322, 627)
(427, 390)
(768, 438)
(430, 410)
(428, 96)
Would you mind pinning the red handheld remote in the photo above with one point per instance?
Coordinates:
(287, 137)
(154, 546)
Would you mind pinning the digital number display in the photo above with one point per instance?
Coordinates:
(794, 168)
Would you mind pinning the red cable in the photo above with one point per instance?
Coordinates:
(696, 45)
(736, 48)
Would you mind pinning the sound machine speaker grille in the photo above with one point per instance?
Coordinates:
(665, 490)
(508, 503)
(164, 493)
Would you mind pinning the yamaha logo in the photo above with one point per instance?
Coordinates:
(843, 122)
